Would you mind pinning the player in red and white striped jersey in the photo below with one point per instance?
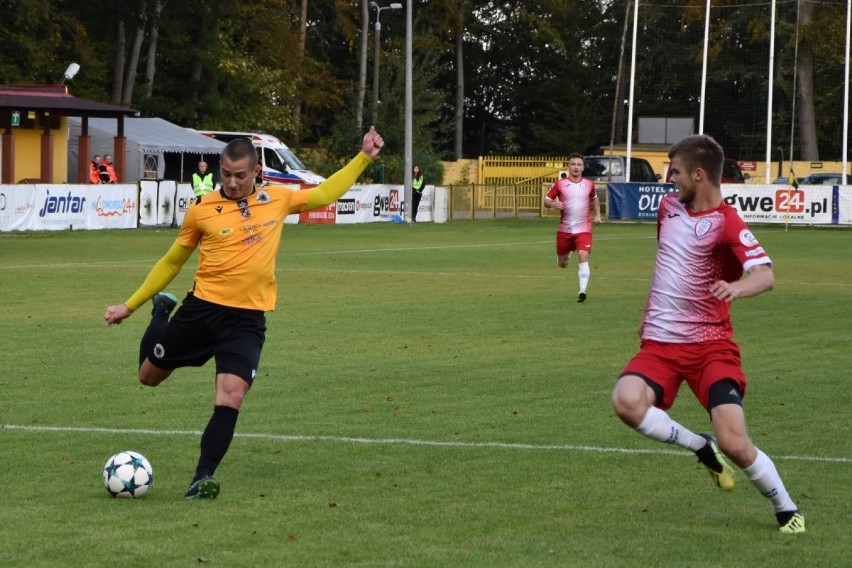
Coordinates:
(573, 195)
(704, 249)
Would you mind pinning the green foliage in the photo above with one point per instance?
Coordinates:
(427, 122)
(427, 396)
(40, 39)
(539, 77)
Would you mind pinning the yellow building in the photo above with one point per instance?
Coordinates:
(35, 133)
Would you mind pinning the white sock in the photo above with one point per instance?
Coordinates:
(764, 476)
(659, 426)
(583, 273)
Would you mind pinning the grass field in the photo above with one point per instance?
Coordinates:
(428, 396)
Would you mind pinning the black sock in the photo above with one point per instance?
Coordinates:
(159, 321)
(216, 440)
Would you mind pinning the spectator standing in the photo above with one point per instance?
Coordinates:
(95, 169)
(106, 171)
(202, 180)
(417, 185)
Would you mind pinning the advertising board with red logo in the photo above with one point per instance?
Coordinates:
(370, 204)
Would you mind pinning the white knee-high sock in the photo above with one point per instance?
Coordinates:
(583, 274)
(659, 426)
(764, 476)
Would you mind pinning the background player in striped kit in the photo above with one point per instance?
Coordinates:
(573, 195)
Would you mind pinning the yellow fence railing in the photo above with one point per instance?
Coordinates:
(494, 201)
(509, 187)
(507, 170)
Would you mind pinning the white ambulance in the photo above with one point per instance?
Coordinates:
(279, 165)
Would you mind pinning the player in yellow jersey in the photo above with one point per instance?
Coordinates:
(237, 231)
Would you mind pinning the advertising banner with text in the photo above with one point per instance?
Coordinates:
(810, 205)
(17, 203)
(635, 201)
(114, 206)
(370, 204)
(57, 207)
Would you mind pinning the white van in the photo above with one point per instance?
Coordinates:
(279, 165)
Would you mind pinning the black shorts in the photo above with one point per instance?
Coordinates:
(200, 330)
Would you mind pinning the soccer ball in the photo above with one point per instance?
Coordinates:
(128, 474)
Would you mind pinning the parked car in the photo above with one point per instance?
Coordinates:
(822, 179)
(731, 172)
(612, 168)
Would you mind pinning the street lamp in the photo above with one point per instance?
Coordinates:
(70, 72)
(377, 40)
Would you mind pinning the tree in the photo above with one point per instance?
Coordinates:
(551, 96)
(40, 39)
(298, 69)
(127, 78)
(809, 149)
(151, 63)
(453, 14)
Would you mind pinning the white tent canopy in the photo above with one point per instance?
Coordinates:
(156, 148)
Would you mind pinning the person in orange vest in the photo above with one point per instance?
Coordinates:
(95, 170)
(106, 172)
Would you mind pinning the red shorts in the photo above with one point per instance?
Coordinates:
(699, 364)
(566, 242)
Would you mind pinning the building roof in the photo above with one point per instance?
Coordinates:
(156, 136)
(56, 98)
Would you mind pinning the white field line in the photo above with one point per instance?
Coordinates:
(150, 262)
(392, 442)
(443, 247)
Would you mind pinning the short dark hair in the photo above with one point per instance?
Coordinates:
(700, 151)
(574, 155)
(240, 149)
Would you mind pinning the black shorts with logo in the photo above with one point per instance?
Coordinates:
(200, 330)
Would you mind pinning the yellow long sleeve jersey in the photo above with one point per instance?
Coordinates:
(238, 241)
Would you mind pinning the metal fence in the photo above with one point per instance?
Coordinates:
(504, 201)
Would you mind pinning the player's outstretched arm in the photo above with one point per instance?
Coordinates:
(161, 274)
(372, 143)
(334, 187)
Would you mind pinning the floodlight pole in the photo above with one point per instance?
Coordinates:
(377, 53)
(409, 193)
(846, 96)
(632, 91)
(767, 169)
(704, 68)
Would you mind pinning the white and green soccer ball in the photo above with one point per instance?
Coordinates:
(128, 474)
